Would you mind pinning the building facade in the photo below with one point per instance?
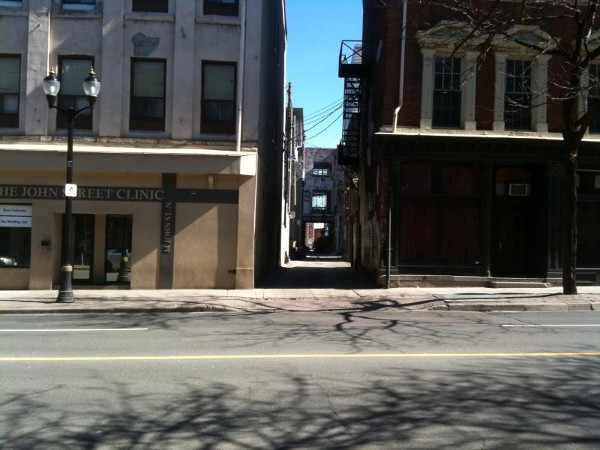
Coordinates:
(459, 152)
(321, 212)
(175, 166)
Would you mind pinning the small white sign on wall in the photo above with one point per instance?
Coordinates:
(15, 216)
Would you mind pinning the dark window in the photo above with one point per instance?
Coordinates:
(322, 169)
(10, 81)
(15, 242)
(150, 6)
(594, 98)
(517, 99)
(72, 72)
(221, 7)
(446, 93)
(78, 4)
(147, 107)
(218, 98)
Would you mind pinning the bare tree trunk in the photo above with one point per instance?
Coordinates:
(570, 226)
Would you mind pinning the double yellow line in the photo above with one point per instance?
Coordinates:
(299, 356)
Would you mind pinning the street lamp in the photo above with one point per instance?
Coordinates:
(91, 87)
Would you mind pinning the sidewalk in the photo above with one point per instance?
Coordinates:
(307, 299)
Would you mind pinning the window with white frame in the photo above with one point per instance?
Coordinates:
(517, 95)
(446, 93)
(10, 82)
(449, 84)
(521, 87)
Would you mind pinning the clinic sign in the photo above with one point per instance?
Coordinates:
(44, 192)
(15, 216)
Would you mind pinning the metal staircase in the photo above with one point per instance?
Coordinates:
(354, 68)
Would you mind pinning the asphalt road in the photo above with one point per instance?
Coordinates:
(383, 379)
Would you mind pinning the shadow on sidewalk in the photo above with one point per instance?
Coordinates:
(317, 272)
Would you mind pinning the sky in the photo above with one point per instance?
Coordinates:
(316, 29)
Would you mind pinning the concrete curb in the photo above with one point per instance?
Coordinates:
(265, 308)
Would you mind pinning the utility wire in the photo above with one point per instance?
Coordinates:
(309, 116)
(325, 129)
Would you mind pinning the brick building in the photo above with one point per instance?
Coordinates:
(459, 151)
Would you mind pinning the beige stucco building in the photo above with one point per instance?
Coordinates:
(174, 167)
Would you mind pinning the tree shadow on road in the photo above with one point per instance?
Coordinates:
(507, 405)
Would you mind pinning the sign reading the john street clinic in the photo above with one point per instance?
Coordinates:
(15, 216)
(44, 192)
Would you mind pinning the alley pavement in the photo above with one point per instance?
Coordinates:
(318, 284)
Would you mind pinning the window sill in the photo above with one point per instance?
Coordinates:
(77, 14)
(150, 17)
(210, 20)
(14, 11)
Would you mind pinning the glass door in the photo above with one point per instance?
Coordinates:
(82, 246)
(117, 266)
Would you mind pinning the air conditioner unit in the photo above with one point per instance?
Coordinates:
(519, 189)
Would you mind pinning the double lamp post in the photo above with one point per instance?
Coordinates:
(91, 87)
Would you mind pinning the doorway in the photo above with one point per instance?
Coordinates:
(82, 247)
(117, 265)
(518, 233)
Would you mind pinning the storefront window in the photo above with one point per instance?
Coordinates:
(15, 235)
(15, 247)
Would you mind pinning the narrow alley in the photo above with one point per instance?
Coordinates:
(318, 272)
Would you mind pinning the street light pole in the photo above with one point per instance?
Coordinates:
(91, 87)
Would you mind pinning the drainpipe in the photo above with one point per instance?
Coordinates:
(402, 63)
(240, 78)
(395, 126)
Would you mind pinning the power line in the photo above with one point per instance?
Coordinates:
(309, 116)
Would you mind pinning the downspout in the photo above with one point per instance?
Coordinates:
(402, 64)
(395, 126)
(240, 78)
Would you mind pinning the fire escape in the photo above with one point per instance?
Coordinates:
(354, 68)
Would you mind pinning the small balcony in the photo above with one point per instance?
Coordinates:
(355, 59)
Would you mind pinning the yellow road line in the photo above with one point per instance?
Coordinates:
(301, 356)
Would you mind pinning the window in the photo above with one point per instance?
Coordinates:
(72, 72)
(15, 235)
(446, 93)
(221, 7)
(321, 169)
(79, 4)
(9, 90)
(594, 98)
(11, 3)
(218, 98)
(147, 107)
(517, 98)
(319, 201)
(161, 6)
